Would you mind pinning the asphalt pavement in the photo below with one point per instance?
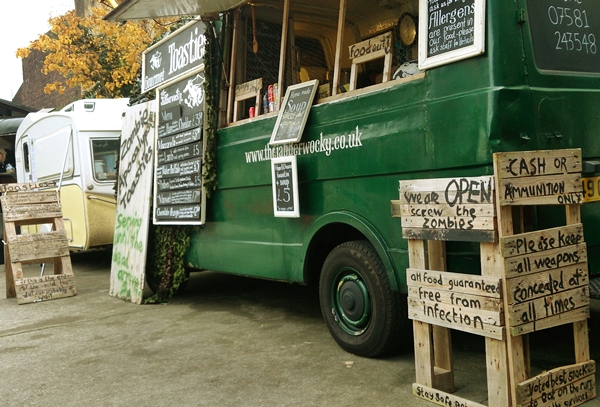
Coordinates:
(226, 341)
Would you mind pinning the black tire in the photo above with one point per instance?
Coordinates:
(364, 315)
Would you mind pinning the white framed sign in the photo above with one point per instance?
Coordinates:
(294, 112)
(450, 30)
(284, 174)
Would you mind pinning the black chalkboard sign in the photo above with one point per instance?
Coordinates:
(285, 187)
(178, 193)
(181, 105)
(565, 35)
(451, 30)
(294, 112)
(164, 61)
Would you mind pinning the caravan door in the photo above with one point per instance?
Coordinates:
(46, 152)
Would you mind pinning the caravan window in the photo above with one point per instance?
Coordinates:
(105, 153)
(26, 164)
(53, 153)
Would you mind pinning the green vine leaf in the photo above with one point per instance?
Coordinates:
(210, 151)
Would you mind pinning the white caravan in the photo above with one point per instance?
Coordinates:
(78, 148)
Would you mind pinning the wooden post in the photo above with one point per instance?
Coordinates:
(10, 280)
(232, 68)
(338, 47)
(444, 368)
(496, 357)
(423, 333)
(282, 56)
(518, 364)
(580, 328)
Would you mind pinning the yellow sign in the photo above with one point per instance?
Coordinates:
(591, 189)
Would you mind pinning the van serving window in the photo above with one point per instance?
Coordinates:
(376, 43)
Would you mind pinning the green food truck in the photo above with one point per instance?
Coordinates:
(404, 89)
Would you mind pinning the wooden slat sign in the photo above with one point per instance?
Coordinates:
(28, 186)
(448, 209)
(127, 269)
(468, 303)
(543, 177)
(547, 278)
(441, 398)
(564, 386)
(30, 208)
(50, 287)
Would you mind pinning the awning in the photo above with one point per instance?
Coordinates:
(145, 9)
(10, 126)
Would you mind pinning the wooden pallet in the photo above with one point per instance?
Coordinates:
(423, 206)
(554, 258)
(515, 265)
(36, 208)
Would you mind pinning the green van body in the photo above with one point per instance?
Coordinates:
(354, 151)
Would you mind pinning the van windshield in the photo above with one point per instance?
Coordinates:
(565, 35)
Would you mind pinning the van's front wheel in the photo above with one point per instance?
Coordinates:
(362, 312)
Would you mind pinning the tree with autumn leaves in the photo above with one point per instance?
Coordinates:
(102, 57)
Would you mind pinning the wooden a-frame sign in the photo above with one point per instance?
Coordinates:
(505, 302)
(35, 208)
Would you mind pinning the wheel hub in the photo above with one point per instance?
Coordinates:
(351, 302)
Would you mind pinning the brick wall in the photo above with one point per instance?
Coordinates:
(31, 93)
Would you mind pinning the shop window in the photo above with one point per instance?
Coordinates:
(383, 34)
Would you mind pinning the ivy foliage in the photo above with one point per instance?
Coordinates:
(210, 102)
(165, 264)
(165, 271)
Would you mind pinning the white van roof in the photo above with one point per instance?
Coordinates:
(87, 114)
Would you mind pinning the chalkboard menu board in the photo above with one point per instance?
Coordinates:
(181, 106)
(565, 34)
(294, 112)
(285, 187)
(450, 30)
(178, 193)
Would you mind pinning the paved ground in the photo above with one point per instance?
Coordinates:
(228, 341)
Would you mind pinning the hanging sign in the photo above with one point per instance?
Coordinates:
(294, 112)
(450, 31)
(542, 177)
(448, 209)
(565, 36)
(285, 187)
(465, 302)
(179, 53)
(547, 278)
(178, 194)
